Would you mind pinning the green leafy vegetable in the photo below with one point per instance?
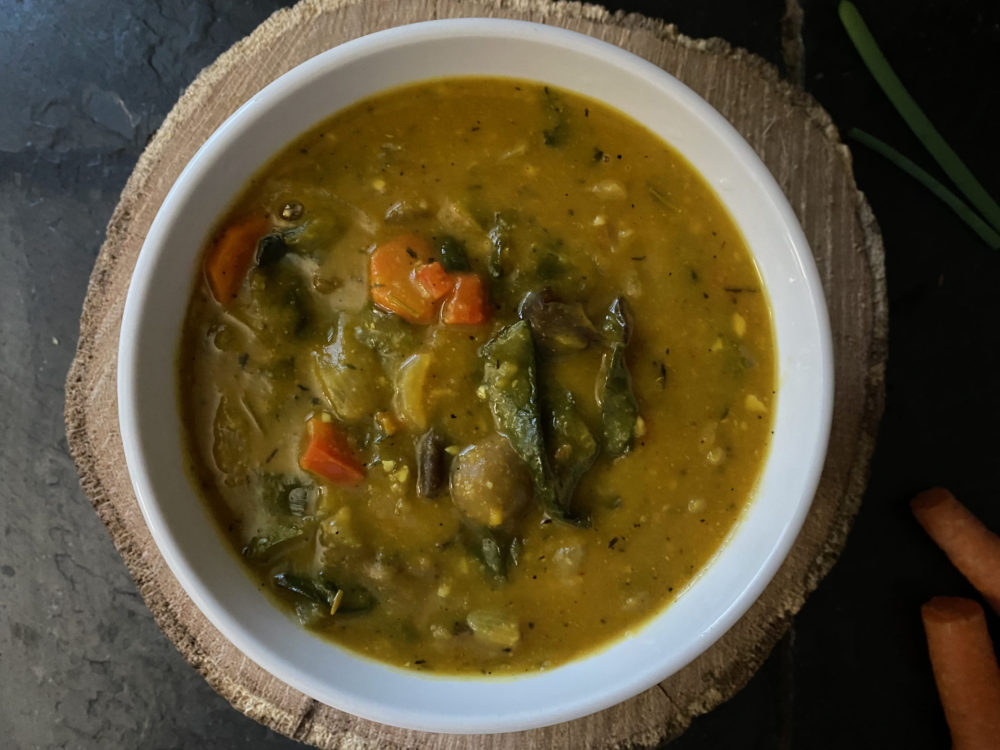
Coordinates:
(510, 385)
(280, 305)
(388, 335)
(555, 270)
(619, 410)
(617, 323)
(497, 552)
(910, 111)
(499, 235)
(260, 547)
(315, 589)
(453, 254)
(314, 237)
(270, 249)
(551, 266)
(492, 556)
(555, 111)
(572, 446)
(515, 550)
(352, 599)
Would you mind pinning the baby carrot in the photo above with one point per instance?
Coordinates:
(391, 267)
(965, 670)
(434, 280)
(230, 256)
(328, 455)
(467, 303)
(971, 547)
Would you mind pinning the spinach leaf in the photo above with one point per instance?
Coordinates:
(388, 335)
(573, 447)
(260, 547)
(493, 557)
(510, 385)
(500, 242)
(280, 304)
(619, 410)
(314, 589)
(453, 254)
(617, 323)
(492, 549)
(551, 266)
(555, 111)
(555, 269)
(353, 599)
(270, 249)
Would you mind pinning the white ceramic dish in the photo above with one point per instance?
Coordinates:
(185, 533)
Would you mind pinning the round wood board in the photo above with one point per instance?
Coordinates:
(793, 136)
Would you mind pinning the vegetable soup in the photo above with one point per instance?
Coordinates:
(478, 376)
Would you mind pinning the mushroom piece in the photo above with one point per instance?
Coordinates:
(558, 327)
(489, 483)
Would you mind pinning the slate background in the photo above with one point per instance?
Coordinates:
(83, 86)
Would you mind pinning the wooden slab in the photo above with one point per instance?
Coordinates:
(792, 134)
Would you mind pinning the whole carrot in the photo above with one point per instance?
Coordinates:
(971, 547)
(965, 670)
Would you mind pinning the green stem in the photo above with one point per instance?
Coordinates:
(965, 213)
(919, 123)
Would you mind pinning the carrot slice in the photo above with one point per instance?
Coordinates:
(391, 267)
(230, 256)
(328, 455)
(467, 302)
(971, 547)
(965, 670)
(434, 280)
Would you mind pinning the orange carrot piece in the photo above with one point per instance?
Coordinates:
(467, 302)
(965, 670)
(434, 280)
(971, 547)
(391, 267)
(328, 455)
(230, 257)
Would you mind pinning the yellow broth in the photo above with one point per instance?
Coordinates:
(592, 207)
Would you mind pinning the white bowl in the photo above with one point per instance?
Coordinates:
(187, 535)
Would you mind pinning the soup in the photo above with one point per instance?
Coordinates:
(478, 376)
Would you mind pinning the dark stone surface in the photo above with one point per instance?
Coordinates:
(86, 83)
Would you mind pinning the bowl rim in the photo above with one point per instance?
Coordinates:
(601, 696)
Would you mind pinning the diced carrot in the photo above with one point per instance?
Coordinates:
(391, 267)
(230, 256)
(965, 670)
(434, 280)
(971, 547)
(467, 303)
(328, 455)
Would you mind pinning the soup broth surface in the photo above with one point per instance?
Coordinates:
(478, 376)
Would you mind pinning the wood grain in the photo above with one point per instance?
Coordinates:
(794, 137)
